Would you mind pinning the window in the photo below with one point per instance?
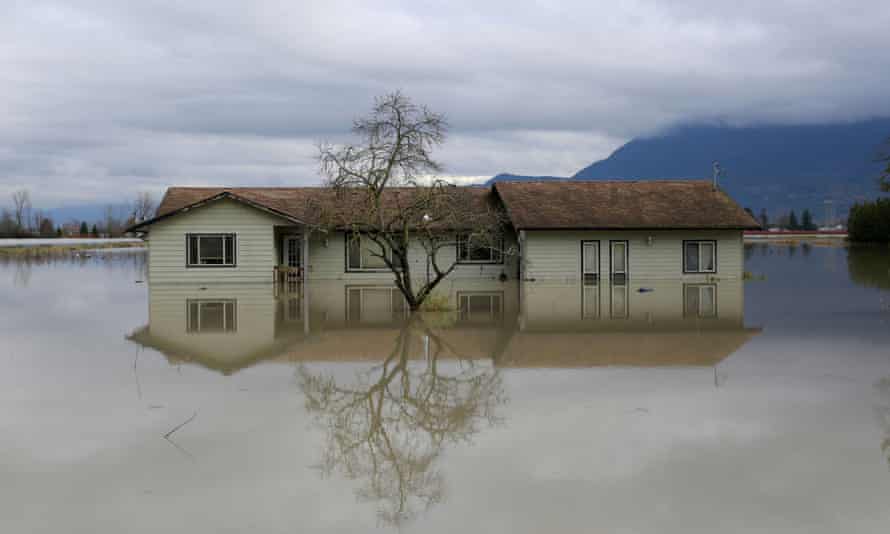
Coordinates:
(212, 316)
(480, 307)
(618, 260)
(699, 256)
(590, 261)
(700, 300)
(363, 254)
(210, 250)
(375, 304)
(476, 250)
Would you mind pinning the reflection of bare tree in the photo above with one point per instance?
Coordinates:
(389, 427)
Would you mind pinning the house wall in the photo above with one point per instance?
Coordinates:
(327, 261)
(555, 256)
(258, 251)
(254, 244)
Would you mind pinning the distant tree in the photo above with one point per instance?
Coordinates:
(84, 230)
(46, 227)
(112, 224)
(21, 202)
(58, 231)
(870, 221)
(143, 207)
(806, 221)
(764, 218)
(7, 224)
(792, 221)
(95, 231)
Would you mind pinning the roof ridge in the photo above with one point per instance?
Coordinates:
(608, 181)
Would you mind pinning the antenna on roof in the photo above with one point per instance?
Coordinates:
(718, 172)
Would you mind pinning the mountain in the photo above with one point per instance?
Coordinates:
(507, 177)
(773, 167)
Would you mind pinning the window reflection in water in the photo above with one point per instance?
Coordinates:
(375, 305)
(590, 301)
(620, 307)
(700, 300)
(212, 316)
(480, 307)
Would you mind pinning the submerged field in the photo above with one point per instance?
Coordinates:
(727, 407)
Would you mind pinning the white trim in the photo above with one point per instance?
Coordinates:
(226, 260)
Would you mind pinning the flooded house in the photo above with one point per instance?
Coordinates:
(557, 231)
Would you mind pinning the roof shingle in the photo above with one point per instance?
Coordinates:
(651, 204)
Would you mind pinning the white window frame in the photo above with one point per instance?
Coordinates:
(698, 243)
(361, 268)
(228, 262)
(495, 254)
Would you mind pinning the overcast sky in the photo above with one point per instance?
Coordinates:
(103, 98)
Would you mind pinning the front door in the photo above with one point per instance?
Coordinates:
(293, 255)
(618, 262)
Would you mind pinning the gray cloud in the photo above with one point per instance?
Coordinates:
(102, 98)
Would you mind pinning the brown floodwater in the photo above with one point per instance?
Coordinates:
(650, 406)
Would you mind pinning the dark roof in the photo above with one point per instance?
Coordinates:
(551, 204)
(320, 206)
(652, 204)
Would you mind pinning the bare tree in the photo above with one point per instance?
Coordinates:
(21, 201)
(7, 224)
(386, 195)
(143, 207)
(113, 223)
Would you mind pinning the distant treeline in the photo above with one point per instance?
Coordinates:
(24, 221)
(787, 221)
(870, 221)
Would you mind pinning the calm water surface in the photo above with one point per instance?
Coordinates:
(720, 407)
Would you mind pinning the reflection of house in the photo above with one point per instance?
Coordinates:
(228, 328)
(562, 230)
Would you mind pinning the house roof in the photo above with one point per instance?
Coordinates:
(319, 206)
(650, 205)
(505, 348)
(545, 205)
